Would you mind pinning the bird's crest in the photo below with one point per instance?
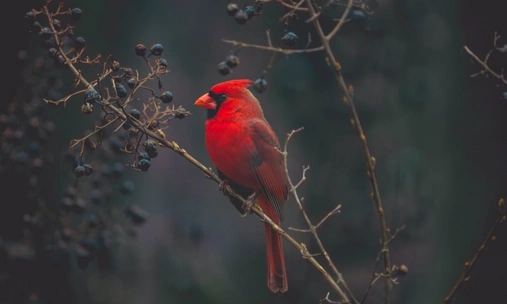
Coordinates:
(232, 85)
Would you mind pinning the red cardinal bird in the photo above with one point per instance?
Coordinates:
(244, 148)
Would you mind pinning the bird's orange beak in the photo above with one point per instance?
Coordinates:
(205, 101)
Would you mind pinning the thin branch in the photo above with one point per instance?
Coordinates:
(374, 275)
(328, 300)
(469, 266)
(268, 37)
(313, 228)
(366, 150)
(485, 65)
(273, 49)
(292, 11)
(336, 210)
(341, 22)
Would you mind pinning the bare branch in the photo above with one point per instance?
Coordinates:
(340, 23)
(374, 275)
(312, 228)
(273, 49)
(469, 266)
(485, 65)
(347, 96)
(292, 11)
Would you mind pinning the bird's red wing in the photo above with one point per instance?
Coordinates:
(268, 165)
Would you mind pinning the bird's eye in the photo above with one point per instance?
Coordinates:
(222, 97)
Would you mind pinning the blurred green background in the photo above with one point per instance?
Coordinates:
(437, 135)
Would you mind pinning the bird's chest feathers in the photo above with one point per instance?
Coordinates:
(231, 149)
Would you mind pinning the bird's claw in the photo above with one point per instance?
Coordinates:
(223, 186)
(248, 204)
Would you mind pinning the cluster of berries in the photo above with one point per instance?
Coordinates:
(241, 16)
(230, 62)
(59, 39)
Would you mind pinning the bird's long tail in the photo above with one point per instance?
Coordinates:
(277, 277)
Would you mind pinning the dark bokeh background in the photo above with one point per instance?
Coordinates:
(437, 134)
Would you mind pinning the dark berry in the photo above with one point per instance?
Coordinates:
(96, 196)
(66, 204)
(52, 53)
(80, 171)
(22, 158)
(232, 9)
(290, 39)
(162, 63)
(69, 33)
(93, 220)
(30, 16)
(166, 97)
(154, 124)
(135, 113)
(79, 43)
(126, 125)
(84, 257)
(127, 187)
(88, 243)
(121, 91)
(136, 214)
(181, 113)
(144, 164)
(31, 223)
(131, 82)
(46, 33)
(76, 14)
(37, 165)
(240, 17)
(14, 121)
(118, 169)
(66, 234)
(260, 85)
(71, 192)
(258, 7)
(79, 206)
(357, 14)
(88, 169)
(250, 12)
(232, 61)
(151, 148)
(50, 43)
(105, 170)
(92, 96)
(34, 148)
(59, 59)
(128, 72)
(143, 155)
(223, 68)
(140, 50)
(157, 49)
(36, 27)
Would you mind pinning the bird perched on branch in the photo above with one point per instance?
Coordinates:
(245, 151)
